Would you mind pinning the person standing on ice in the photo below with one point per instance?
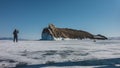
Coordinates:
(15, 34)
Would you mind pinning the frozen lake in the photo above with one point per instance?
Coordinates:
(60, 54)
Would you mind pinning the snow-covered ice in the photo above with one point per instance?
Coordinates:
(60, 54)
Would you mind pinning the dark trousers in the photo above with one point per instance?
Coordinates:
(15, 39)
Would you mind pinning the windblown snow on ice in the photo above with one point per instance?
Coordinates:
(60, 54)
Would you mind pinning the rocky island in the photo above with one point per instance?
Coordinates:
(53, 33)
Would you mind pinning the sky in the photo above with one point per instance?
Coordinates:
(31, 16)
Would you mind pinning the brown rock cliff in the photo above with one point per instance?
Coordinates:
(52, 32)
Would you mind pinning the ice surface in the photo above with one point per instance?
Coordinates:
(60, 54)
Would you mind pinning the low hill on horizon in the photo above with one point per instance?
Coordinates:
(114, 38)
(10, 38)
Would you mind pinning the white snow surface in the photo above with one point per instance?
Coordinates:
(60, 54)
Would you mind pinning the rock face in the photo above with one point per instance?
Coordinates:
(99, 36)
(52, 33)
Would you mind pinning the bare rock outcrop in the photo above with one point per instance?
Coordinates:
(52, 33)
(100, 37)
